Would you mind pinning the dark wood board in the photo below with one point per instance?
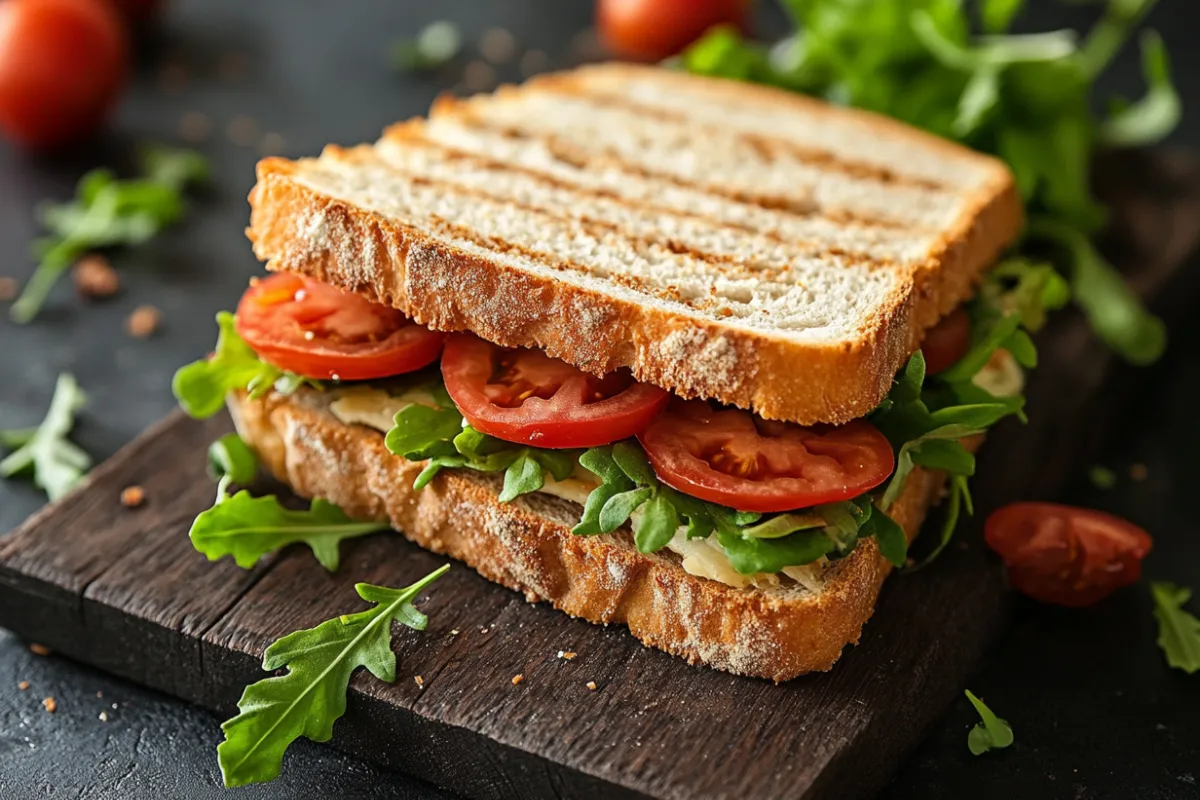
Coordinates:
(122, 589)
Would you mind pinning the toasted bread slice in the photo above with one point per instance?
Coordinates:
(720, 240)
(777, 632)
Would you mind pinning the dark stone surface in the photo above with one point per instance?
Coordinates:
(1096, 712)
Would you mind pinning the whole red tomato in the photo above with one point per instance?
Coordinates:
(62, 63)
(1066, 555)
(651, 30)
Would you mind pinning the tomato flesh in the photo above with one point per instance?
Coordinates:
(1066, 555)
(736, 459)
(528, 397)
(319, 331)
(62, 63)
(651, 30)
(947, 342)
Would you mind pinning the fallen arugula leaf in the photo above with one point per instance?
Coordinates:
(201, 386)
(1178, 631)
(248, 528)
(56, 464)
(436, 45)
(1023, 97)
(107, 212)
(992, 733)
(307, 700)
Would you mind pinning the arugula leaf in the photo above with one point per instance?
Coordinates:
(893, 543)
(992, 733)
(311, 697)
(1178, 631)
(437, 44)
(107, 212)
(1022, 97)
(1113, 310)
(249, 528)
(56, 464)
(750, 555)
(230, 457)
(201, 387)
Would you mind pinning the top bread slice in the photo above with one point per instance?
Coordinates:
(720, 240)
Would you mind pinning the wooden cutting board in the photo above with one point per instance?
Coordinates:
(123, 590)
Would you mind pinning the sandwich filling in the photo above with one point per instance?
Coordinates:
(741, 499)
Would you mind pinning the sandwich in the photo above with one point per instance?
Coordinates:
(688, 355)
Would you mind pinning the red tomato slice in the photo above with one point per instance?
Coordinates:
(651, 30)
(528, 397)
(947, 342)
(736, 459)
(1065, 555)
(316, 330)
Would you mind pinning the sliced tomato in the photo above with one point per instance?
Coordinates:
(947, 342)
(526, 396)
(1066, 555)
(319, 331)
(737, 459)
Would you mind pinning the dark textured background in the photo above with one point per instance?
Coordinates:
(1096, 712)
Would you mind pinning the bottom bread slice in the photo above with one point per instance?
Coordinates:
(776, 632)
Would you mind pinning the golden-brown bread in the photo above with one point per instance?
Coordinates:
(776, 632)
(720, 240)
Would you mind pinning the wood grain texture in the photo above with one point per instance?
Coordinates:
(123, 589)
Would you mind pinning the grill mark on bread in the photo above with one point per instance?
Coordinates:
(575, 157)
(584, 191)
(768, 147)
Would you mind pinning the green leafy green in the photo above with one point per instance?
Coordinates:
(1178, 631)
(107, 212)
(249, 528)
(311, 696)
(201, 387)
(230, 460)
(1023, 97)
(992, 733)
(437, 44)
(55, 463)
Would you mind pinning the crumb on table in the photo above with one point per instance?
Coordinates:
(8, 288)
(23, 685)
(143, 322)
(94, 277)
(517, 678)
(50, 704)
(420, 681)
(133, 496)
(591, 685)
(39, 649)
(566, 655)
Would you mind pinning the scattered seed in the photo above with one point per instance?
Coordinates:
(39, 649)
(517, 678)
(533, 62)
(271, 144)
(23, 685)
(420, 681)
(94, 277)
(50, 704)
(8, 289)
(591, 685)
(195, 127)
(478, 76)
(1139, 472)
(143, 322)
(566, 655)
(99, 694)
(497, 45)
(233, 66)
(133, 496)
(172, 77)
(104, 716)
(242, 131)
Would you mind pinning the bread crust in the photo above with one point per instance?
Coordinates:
(527, 546)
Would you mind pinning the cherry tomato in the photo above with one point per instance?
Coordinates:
(62, 63)
(528, 397)
(651, 30)
(1065, 555)
(739, 460)
(316, 330)
(947, 342)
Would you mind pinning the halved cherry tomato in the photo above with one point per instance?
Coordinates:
(947, 342)
(737, 459)
(651, 30)
(316, 330)
(62, 63)
(1065, 555)
(528, 397)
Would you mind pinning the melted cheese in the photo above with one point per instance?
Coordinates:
(705, 558)
(1001, 376)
